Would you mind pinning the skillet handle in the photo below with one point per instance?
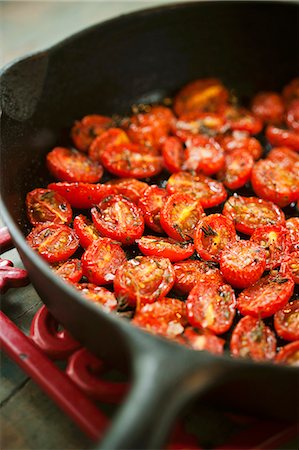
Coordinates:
(164, 382)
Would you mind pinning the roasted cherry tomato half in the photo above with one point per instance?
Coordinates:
(286, 321)
(82, 195)
(273, 182)
(101, 260)
(179, 216)
(241, 141)
(203, 155)
(204, 95)
(70, 270)
(236, 170)
(290, 265)
(128, 187)
(188, 125)
(111, 137)
(267, 296)
(291, 91)
(275, 241)
(200, 339)
(151, 203)
(292, 115)
(289, 354)
(98, 295)
(70, 165)
(54, 242)
(189, 273)
(165, 247)
(280, 137)
(213, 234)
(46, 205)
(131, 160)
(249, 213)
(292, 225)
(268, 107)
(240, 119)
(252, 339)
(173, 154)
(242, 263)
(144, 279)
(118, 218)
(166, 317)
(284, 156)
(85, 230)
(87, 129)
(210, 192)
(211, 306)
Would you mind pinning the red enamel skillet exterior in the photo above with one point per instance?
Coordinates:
(137, 58)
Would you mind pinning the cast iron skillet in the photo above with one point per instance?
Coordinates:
(142, 57)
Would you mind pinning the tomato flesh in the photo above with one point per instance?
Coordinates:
(98, 295)
(203, 155)
(46, 205)
(70, 270)
(85, 230)
(87, 129)
(82, 195)
(203, 340)
(275, 241)
(165, 247)
(286, 321)
(268, 107)
(289, 354)
(151, 203)
(189, 273)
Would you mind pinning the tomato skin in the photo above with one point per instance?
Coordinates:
(213, 234)
(268, 107)
(82, 195)
(292, 225)
(173, 154)
(54, 242)
(237, 169)
(273, 182)
(275, 241)
(190, 124)
(208, 191)
(289, 354)
(283, 156)
(189, 273)
(165, 247)
(151, 203)
(292, 115)
(252, 339)
(118, 218)
(242, 263)
(70, 270)
(290, 264)
(279, 137)
(128, 187)
(131, 160)
(98, 295)
(85, 230)
(113, 136)
(286, 321)
(84, 131)
(46, 205)
(101, 260)
(144, 279)
(248, 213)
(267, 296)
(201, 339)
(179, 216)
(201, 96)
(241, 141)
(204, 155)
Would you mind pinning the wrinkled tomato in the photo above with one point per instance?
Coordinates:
(70, 270)
(237, 169)
(241, 141)
(286, 321)
(46, 205)
(189, 273)
(173, 154)
(111, 137)
(82, 195)
(165, 247)
(87, 129)
(128, 187)
(151, 203)
(275, 241)
(85, 230)
(203, 155)
(98, 295)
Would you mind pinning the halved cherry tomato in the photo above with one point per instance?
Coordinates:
(203, 154)
(211, 306)
(87, 129)
(54, 242)
(268, 295)
(204, 95)
(46, 205)
(179, 216)
(252, 339)
(248, 213)
(111, 137)
(291, 265)
(242, 263)
(286, 321)
(292, 225)
(85, 230)
(240, 140)
(118, 218)
(166, 317)
(237, 169)
(210, 192)
(291, 91)
(189, 273)
(128, 187)
(151, 203)
(131, 160)
(275, 241)
(213, 234)
(70, 270)
(273, 182)
(190, 124)
(82, 195)
(240, 119)
(173, 154)
(289, 354)
(280, 137)
(283, 156)
(70, 165)
(268, 107)
(144, 279)
(165, 247)
(200, 339)
(292, 115)
(98, 295)
(101, 260)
